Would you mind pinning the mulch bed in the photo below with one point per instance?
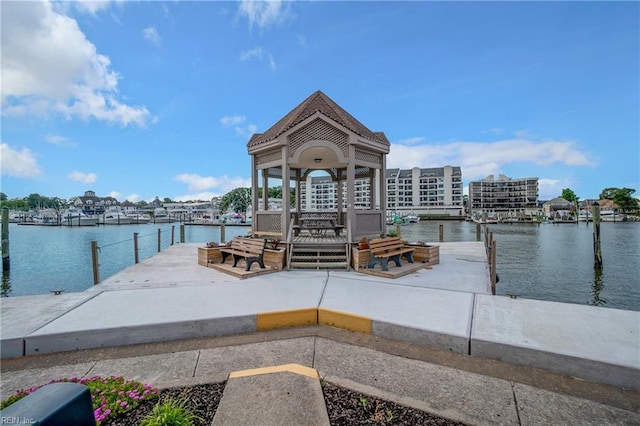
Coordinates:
(344, 406)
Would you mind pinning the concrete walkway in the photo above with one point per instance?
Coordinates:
(472, 390)
(446, 310)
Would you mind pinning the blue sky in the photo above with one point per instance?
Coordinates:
(145, 99)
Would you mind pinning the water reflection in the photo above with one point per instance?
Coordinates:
(5, 289)
(596, 288)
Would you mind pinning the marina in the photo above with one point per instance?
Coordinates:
(532, 260)
(448, 307)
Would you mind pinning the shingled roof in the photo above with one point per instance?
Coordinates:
(317, 102)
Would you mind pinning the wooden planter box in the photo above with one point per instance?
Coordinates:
(275, 258)
(360, 258)
(426, 254)
(209, 255)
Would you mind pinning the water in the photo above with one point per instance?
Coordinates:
(546, 262)
(46, 258)
(555, 262)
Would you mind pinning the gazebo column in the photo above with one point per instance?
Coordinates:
(254, 193)
(298, 174)
(286, 193)
(351, 178)
(373, 187)
(339, 195)
(265, 189)
(383, 191)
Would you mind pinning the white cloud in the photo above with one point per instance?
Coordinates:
(478, 160)
(410, 141)
(92, 6)
(264, 13)
(20, 164)
(221, 185)
(83, 177)
(256, 52)
(200, 196)
(551, 188)
(49, 66)
(56, 140)
(151, 35)
(133, 197)
(259, 54)
(236, 121)
(230, 120)
(114, 194)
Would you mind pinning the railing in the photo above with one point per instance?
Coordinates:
(95, 248)
(367, 223)
(268, 221)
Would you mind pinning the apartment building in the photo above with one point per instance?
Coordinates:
(503, 195)
(431, 191)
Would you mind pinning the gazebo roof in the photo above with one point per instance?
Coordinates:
(317, 102)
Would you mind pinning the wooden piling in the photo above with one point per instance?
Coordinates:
(222, 236)
(6, 260)
(159, 240)
(441, 232)
(478, 232)
(597, 249)
(493, 267)
(135, 247)
(94, 262)
(181, 235)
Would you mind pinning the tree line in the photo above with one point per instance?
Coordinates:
(622, 197)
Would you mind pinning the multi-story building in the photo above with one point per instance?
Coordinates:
(432, 191)
(504, 196)
(92, 204)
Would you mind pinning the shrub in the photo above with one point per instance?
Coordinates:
(170, 413)
(110, 395)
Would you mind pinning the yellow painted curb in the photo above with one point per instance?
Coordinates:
(284, 319)
(291, 368)
(344, 320)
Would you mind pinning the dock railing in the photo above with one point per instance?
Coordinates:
(95, 247)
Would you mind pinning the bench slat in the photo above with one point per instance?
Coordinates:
(389, 248)
(249, 249)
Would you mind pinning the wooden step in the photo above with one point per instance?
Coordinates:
(297, 257)
(317, 265)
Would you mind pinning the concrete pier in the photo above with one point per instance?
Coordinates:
(170, 297)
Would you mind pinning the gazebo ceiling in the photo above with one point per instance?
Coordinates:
(319, 158)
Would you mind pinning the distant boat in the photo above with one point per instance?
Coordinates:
(585, 216)
(412, 218)
(73, 216)
(139, 218)
(611, 216)
(115, 216)
(160, 215)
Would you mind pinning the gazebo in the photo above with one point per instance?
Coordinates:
(319, 136)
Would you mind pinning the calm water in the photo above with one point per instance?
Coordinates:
(45, 258)
(547, 262)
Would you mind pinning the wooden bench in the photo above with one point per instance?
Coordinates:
(249, 249)
(383, 249)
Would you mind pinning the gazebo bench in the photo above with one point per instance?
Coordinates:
(388, 248)
(249, 249)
